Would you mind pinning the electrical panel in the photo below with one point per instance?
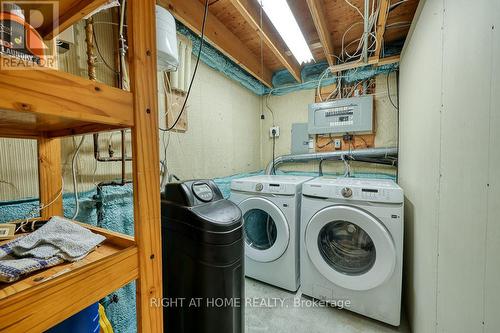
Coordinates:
(348, 115)
(300, 139)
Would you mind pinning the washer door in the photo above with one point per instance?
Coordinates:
(350, 247)
(265, 229)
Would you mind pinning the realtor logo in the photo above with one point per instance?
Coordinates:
(26, 32)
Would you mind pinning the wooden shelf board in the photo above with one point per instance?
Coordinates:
(56, 103)
(47, 297)
(67, 13)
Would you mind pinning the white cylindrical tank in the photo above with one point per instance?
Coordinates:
(166, 40)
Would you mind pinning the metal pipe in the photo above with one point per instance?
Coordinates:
(372, 152)
(97, 154)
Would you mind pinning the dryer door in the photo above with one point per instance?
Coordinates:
(350, 247)
(265, 228)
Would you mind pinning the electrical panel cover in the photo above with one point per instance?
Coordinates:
(348, 115)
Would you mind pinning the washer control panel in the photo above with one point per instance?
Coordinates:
(375, 190)
(271, 184)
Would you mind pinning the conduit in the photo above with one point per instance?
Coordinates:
(372, 152)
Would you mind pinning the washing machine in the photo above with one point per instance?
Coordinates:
(352, 245)
(271, 214)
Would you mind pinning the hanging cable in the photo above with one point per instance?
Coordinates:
(101, 56)
(73, 173)
(202, 40)
(389, 89)
(274, 153)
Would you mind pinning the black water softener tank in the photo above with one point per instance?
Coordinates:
(203, 276)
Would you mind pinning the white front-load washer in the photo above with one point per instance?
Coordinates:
(352, 245)
(271, 215)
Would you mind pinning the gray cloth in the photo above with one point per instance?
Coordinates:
(59, 237)
(57, 241)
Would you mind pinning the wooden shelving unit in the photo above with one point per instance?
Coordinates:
(45, 104)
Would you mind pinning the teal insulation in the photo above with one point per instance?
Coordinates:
(282, 81)
(118, 215)
(311, 76)
(219, 62)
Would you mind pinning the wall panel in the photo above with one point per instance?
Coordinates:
(492, 271)
(420, 117)
(464, 156)
(458, 246)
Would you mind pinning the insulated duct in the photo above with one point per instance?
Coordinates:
(372, 152)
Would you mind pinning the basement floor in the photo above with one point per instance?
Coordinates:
(275, 318)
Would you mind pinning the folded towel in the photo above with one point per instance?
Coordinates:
(56, 241)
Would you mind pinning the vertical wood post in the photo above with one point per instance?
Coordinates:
(49, 176)
(146, 162)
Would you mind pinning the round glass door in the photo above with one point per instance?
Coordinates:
(347, 248)
(265, 228)
(259, 229)
(350, 247)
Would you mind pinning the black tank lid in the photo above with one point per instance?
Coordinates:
(201, 205)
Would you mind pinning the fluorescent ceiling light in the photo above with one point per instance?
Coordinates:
(283, 20)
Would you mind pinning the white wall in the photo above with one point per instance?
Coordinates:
(449, 167)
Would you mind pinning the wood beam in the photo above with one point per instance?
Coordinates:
(250, 10)
(146, 164)
(190, 13)
(381, 23)
(70, 12)
(318, 14)
(50, 177)
(371, 61)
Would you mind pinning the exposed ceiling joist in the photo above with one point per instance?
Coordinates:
(69, 11)
(371, 61)
(190, 13)
(251, 12)
(319, 19)
(381, 23)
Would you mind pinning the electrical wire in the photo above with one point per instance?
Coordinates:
(39, 208)
(73, 173)
(269, 108)
(11, 185)
(391, 7)
(202, 40)
(274, 154)
(355, 7)
(101, 56)
(389, 89)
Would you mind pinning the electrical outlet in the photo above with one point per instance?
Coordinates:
(338, 144)
(274, 131)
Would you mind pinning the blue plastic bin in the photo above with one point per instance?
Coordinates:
(85, 321)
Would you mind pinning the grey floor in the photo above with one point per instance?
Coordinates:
(266, 313)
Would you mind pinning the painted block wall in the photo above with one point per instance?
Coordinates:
(223, 126)
(449, 166)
